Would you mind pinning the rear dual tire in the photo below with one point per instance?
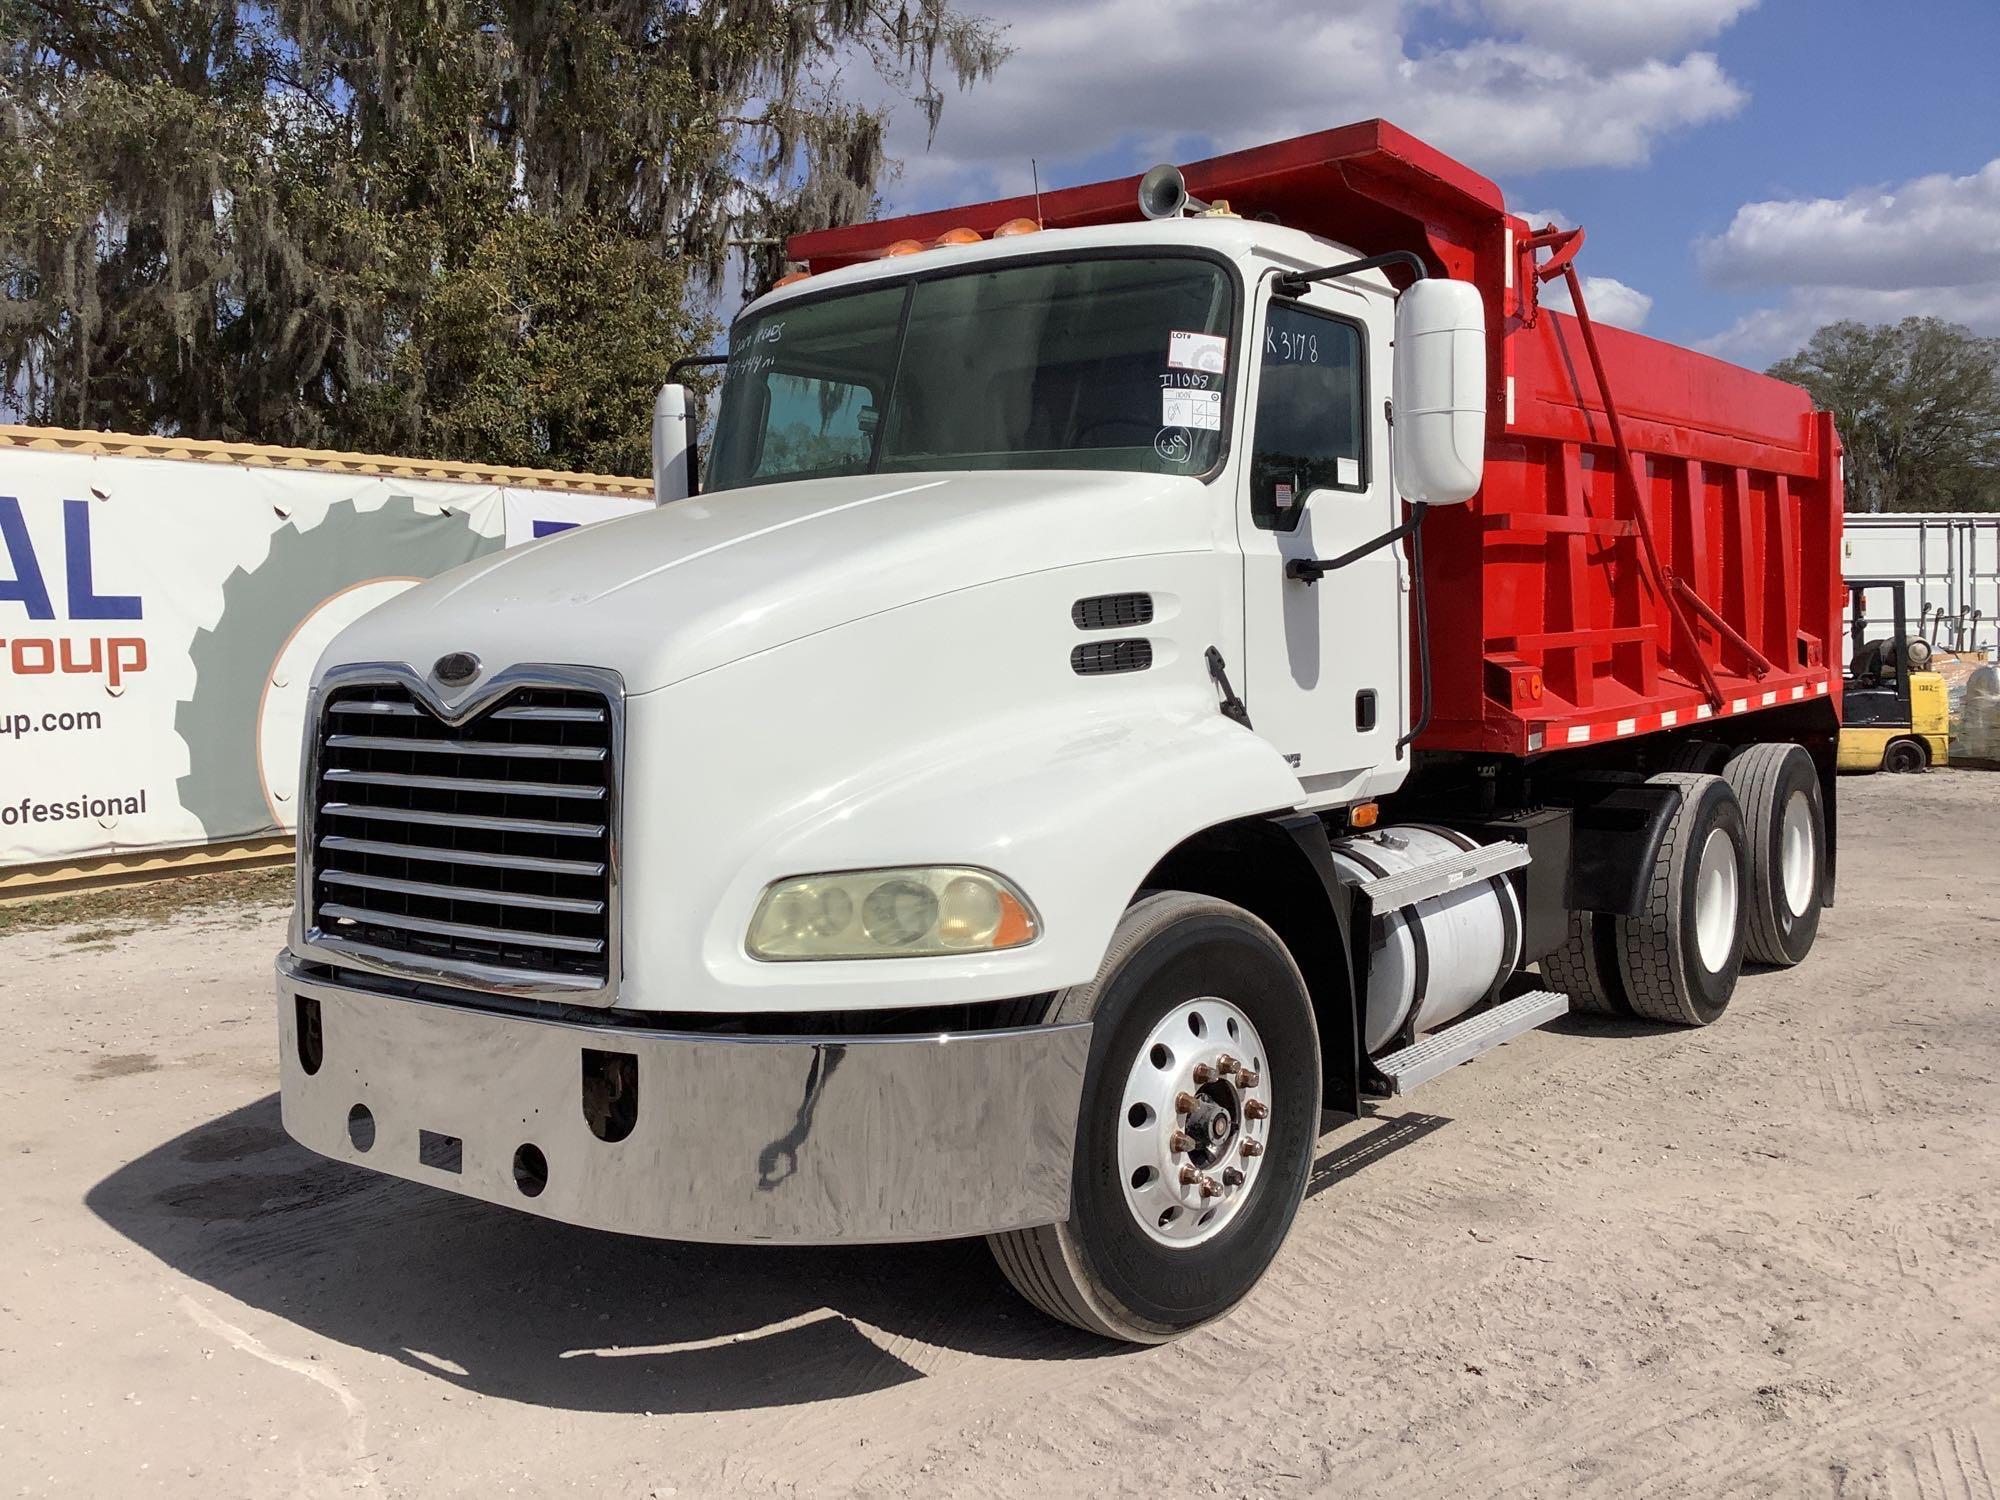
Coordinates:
(1677, 959)
(1644, 965)
(1779, 788)
(1585, 967)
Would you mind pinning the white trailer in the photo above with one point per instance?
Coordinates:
(1950, 561)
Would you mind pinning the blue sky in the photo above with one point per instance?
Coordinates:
(1746, 169)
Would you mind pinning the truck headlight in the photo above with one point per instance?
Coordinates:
(920, 911)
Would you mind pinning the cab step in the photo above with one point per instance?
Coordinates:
(1462, 1041)
(1440, 877)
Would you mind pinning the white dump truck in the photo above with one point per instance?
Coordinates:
(1072, 733)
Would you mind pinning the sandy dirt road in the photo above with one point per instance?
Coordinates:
(1763, 1259)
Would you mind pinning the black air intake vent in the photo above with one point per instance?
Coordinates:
(1112, 612)
(1095, 658)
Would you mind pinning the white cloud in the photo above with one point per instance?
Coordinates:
(1771, 333)
(1528, 92)
(1931, 231)
(1514, 107)
(1927, 247)
(1542, 218)
(1615, 30)
(1609, 299)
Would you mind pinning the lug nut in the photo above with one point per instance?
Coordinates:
(1225, 1065)
(1184, 1104)
(1180, 1140)
(1190, 1176)
(1210, 1187)
(1247, 1079)
(1232, 1176)
(1255, 1109)
(1253, 1148)
(1203, 1073)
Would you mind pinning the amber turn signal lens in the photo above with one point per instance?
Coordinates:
(1364, 814)
(1016, 925)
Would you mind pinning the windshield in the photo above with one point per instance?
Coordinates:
(1101, 363)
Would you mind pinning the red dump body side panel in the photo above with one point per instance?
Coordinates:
(1545, 570)
(1549, 627)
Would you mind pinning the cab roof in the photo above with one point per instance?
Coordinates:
(1234, 239)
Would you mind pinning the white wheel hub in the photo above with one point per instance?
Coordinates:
(1715, 900)
(1193, 1122)
(1797, 851)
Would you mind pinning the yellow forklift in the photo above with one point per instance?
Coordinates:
(1893, 714)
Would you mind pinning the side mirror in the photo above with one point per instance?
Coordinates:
(1440, 392)
(673, 445)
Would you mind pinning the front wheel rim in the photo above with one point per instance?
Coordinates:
(1194, 1120)
(1716, 900)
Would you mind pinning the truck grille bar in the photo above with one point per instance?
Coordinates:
(464, 856)
(471, 851)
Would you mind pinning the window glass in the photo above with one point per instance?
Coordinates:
(1099, 363)
(814, 425)
(1063, 364)
(802, 391)
(1308, 433)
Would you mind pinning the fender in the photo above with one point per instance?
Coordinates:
(1138, 785)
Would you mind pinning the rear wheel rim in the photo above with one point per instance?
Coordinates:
(1716, 900)
(1187, 1173)
(1798, 852)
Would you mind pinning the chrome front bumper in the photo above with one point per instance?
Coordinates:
(803, 1140)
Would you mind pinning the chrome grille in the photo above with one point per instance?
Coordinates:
(482, 850)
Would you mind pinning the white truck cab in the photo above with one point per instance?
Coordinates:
(873, 844)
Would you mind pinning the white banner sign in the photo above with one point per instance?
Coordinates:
(159, 620)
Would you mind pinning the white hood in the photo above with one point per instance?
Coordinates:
(698, 583)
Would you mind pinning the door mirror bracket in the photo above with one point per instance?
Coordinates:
(1311, 569)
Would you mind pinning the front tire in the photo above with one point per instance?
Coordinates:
(1145, 1256)
(1905, 756)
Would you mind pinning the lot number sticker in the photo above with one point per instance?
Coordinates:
(1207, 352)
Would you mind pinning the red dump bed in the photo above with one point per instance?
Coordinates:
(1553, 623)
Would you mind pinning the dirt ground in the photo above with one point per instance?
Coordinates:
(1761, 1259)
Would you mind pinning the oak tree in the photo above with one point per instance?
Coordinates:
(476, 229)
(1918, 407)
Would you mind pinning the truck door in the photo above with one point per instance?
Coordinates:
(1325, 664)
